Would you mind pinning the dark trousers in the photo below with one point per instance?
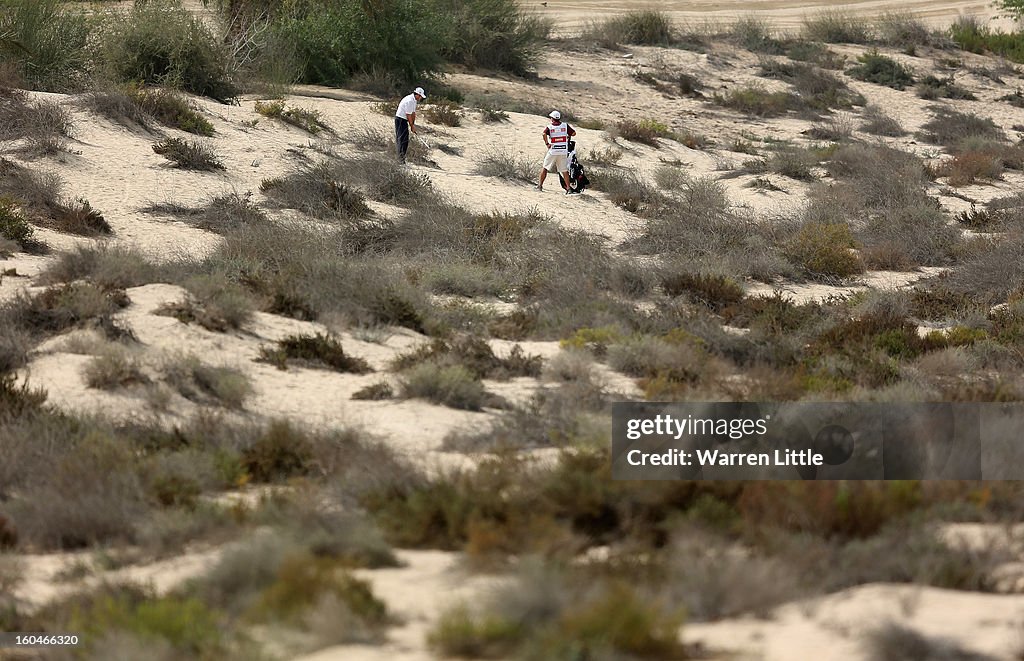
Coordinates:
(402, 137)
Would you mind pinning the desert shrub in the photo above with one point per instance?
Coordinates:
(812, 52)
(631, 192)
(307, 120)
(214, 302)
(658, 359)
(755, 34)
(162, 43)
(645, 28)
(42, 125)
(202, 383)
(967, 167)
(116, 104)
(114, 368)
(902, 29)
(108, 266)
(318, 191)
(442, 112)
(877, 176)
(387, 181)
(48, 42)
(375, 392)
(990, 275)
(825, 250)
(836, 27)
(453, 386)
(304, 584)
(221, 214)
(969, 34)
(793, 163)
(834, 128)
(183, 626)
(715, 291)
(506, 164)
(169, 108)
(818, 89)
(646, 131)
(13, 224)
(91, 494)
(59, 308)
(475, 355)
(882, 70)
(338, 42)
(949, 127)
(78, 217)
(491, 34)
(493, 115)
(280, 452)
(755, 100)
(548, 611)
(931, 88)
(189, 154)
(314, 351)
(877, 122)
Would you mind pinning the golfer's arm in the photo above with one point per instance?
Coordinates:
(412, 121)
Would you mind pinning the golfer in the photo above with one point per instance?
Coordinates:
(405, 121)
(556, 139)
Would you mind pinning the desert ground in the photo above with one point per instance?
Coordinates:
(113, 165)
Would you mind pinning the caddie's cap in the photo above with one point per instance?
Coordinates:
(555, 115)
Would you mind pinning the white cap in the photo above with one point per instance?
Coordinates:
(555, 115)
(419, 90)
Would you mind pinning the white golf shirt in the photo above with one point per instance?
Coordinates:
(408, 105)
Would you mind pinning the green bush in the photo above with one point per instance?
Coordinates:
(169, 109)
(970, 35)
(755, 100)
(836, 27)
(189, 154)
(46, 41)
(314, 350)
(395, 41)
(13, 224)
(824, 250)
(882, 70)
(307, 120)
(492, 34)
(453, 386)
(187, 624)
(282, 451)
(644, 28)
(162, 43)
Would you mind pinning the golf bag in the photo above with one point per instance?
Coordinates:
(578, 181)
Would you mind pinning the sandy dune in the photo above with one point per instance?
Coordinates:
(570, 17)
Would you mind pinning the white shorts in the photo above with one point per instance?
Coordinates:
(556, 162)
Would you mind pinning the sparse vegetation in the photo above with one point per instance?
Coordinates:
(161, 43)
(836, 27)
(314, 351)
(882, 70)
(307, 120)
(189, 154)
(645, 28)
(877, 122)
